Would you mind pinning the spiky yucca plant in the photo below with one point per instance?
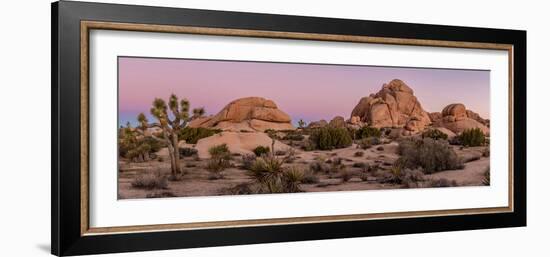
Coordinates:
(268, 171)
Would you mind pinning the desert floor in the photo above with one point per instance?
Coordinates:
(196, 181)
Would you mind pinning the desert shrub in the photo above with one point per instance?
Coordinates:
(366, 131)
(368, 142)
(239, 189)
(187, 151)
(443, 182)
(364, 176)
(280, 152)
(290, 155)
(345, 175)
(248, 160)
(294, 136)
(487, 177)
(261, 150)
(319, 166)
(428, 154)
(150, 181)
(308, 146)
(215, 166)
(219, 151)
(472, 137)
(268, 171)
(359, 165)
(219, 161)
(192, 135)
(310, 178)
(434, 134)
(137, 148)
(359, 154)
(335, 161)
(329, 138)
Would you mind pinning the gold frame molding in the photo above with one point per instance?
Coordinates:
(86, 26)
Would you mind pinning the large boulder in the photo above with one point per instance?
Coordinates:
(237, 142)
(317, 124)
(338, 122)
(393, 106)
(247, 114)
(457, 118)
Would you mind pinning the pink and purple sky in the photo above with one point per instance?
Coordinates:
(305, 91)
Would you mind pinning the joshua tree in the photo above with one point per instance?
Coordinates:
(198, 112)
(170, 125)
(301, 123)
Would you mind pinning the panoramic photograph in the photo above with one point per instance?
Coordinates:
(192, 127)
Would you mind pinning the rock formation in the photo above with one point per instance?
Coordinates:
(318, 124)
(337, 122)
(247, 114)
(457, 118)
(393, 106)
(242, 143)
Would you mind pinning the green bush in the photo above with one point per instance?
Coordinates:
(192, 135)
(293, 136)
(368, 142)
(472, 137)
(187, 151)
(219, 151)
(434, 134)
(428, 154)
(329, 138)
(261, 150)
(367, 131)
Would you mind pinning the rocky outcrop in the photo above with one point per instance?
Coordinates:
(393, 106)
(247, 114)
(337, 122)
(457, 118)
(237, 142)
(318, 124)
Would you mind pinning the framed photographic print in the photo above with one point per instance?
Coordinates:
(178, 128)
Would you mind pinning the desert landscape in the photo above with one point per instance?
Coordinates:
(251, 146)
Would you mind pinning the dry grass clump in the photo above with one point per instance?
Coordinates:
(248, 160)
(239, 189)
(219, 162)
(310, 178)
(150, 181)
(428, 154)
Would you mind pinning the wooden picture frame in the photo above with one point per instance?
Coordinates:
(71, 25)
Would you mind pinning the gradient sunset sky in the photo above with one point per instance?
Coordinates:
(305, 91)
